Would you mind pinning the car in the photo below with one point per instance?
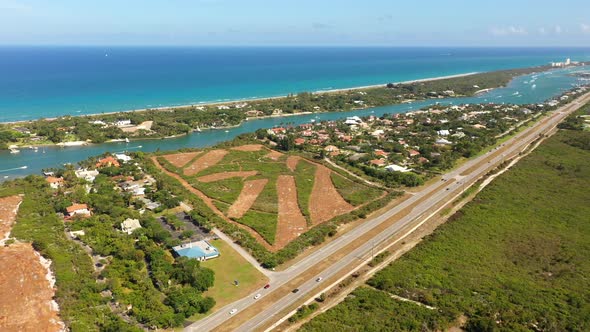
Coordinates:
(267, 286)
(257, 296)
(233, 311)
(295, 290)
(319, 279)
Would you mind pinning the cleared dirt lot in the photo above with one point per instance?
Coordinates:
(26, 292)
(292, 162)
(247, 197)
(291, 222)
(180, 159)
(326, 202)
(207, 160)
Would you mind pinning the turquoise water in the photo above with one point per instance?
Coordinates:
(40, 82)
(527, 89)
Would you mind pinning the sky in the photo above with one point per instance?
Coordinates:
(296, 22)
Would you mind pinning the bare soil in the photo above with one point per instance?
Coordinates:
(248, 147)
(246, 198)
(226, 175)
(181, 159)
(209, 159)
(292, 162)
(326, 203)
(291, 222)
(8, 208)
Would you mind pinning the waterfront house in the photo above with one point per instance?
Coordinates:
(78, 210)
(88, 175)
(54, 182)
(108, 162)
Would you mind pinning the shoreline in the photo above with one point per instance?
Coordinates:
(318, 92)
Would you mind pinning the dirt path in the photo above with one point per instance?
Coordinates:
(291, 222)
(212, 206)
(226, 175)
(248, 147)
(8, 208)
(209, 159)
(292, 162)
(274, 155)
(246, 198)
(181, 159)
(326, 202)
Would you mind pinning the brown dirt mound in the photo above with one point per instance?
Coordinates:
(26, 303)
(247, 197)
(291, 222)
(207, 160)
(8, 209)
(180, 159)
(248, 147)
(292, 162)
(226, 175)
(274, 155)
(326, 203)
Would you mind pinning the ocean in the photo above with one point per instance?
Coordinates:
(43, 82)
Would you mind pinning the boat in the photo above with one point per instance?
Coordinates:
(126, 140)
(14, 150)
(227, 131)
(198, 129)
(24, 167)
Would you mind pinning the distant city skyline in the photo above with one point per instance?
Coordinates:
(295, 23)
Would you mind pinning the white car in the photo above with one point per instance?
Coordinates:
(233, 311)
(257, 296)
(319, 279)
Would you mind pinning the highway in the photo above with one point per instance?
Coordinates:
(419, 205)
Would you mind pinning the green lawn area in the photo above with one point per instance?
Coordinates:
(304, 180)
(513, 259)
(228, 267)
(226, 190)
(263, 223)
(353, 192)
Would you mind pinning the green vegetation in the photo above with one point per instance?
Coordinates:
(303, 312)
(268, 200)
(371, 310)
(226, 190)
(304, 180)
(263, 223)
(513, 259)
(353, 192)
(380, 258)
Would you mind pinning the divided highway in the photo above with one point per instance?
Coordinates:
(411, 212)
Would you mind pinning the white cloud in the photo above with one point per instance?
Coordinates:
(511, 30)
(542, 30)
(14, 5)
(585, 28)
(558, 29)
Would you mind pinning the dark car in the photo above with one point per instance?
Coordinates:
(267, 286)
(295, 290)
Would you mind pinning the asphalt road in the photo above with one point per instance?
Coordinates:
(426, 199)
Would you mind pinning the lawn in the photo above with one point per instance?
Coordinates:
(263, 223)
(513, 259)
(228, 267)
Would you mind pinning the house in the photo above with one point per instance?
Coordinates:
(277, 131)
(129, 225)
(443, 132)
(377, 133)
(122, 123)
(381, 153)
(108, 162)
(78, 210)
(123, 157)
(299, 141)
(54, 182)
(413, 153)
(396, 168)
(443, 141)
(378, 162)
(88, 175)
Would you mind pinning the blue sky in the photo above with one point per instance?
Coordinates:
(296, 22)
